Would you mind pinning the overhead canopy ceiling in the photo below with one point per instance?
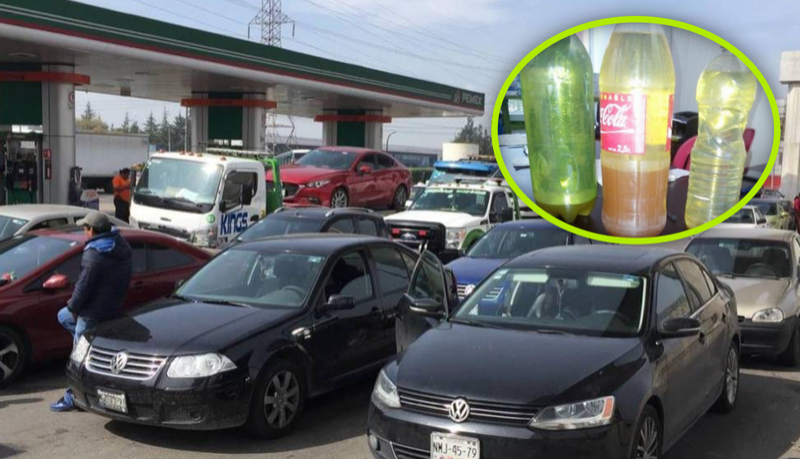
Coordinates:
(131, 55)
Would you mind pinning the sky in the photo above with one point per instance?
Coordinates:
(472, 44)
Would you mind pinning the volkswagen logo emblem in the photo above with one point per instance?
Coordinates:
(118, 362)
(459, 410)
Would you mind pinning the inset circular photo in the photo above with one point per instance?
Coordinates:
(636, 130)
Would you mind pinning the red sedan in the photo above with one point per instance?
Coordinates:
(38, 270)
(345, 177)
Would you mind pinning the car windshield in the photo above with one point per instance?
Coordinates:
(255, 278)
(744, 257)
(328, 159)
(179, 184)
(557, 300)
(21, 256)
(9, 226)
(472, 202)
(272, 226)
(766, 207)
(743, 216)
(512, 242)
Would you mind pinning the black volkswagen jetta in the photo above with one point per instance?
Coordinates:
(585, 352)
(250, 336)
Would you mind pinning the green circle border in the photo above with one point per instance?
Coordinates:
(633, 240)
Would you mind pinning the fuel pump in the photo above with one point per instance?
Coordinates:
(23, 165)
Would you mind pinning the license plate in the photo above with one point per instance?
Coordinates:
(444, 446)
(112, 400)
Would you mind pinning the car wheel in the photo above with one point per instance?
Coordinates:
(791, 356)
(13, 356)
(400, 197)
(730, 386)
(277, 402)
(339, 198)
(647, 443)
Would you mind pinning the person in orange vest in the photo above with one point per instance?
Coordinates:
(122, 195)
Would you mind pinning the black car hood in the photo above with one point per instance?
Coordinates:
(173, 326)
(519, 367)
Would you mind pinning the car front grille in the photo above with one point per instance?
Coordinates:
(492, 412)
(137, 366)
(174, 232)
(290, 189)
(407, 452)
(491, 296)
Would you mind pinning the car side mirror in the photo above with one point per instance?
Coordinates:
(427, 307)
(340, 303)
(680, 327)
(364, 170)
(56, 282)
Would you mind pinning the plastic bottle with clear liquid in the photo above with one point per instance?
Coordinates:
(726, 92)
(637, 86)
(558, 99)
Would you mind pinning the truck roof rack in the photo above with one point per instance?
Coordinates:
(239, 153)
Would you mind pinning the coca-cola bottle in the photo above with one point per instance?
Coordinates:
(637, 83)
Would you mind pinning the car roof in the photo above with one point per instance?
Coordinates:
(530, 223)
(467, 165)
(622, 259)
(310, 243)
(769, 199)
(30, 211)
(347, 149)
(318, 212)
(768, 234)
(75, 233)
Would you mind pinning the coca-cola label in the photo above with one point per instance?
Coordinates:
(669, 122)
(622, 122)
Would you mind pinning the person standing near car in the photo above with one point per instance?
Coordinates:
(106, 270)
(122, 195)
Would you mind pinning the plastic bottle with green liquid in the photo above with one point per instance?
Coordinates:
(558, 100)
(726, 92)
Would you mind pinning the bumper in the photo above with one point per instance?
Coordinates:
(209, 405)
(310, 196)
(406, 435)
(767, 339)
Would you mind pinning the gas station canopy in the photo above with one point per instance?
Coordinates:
(134, 56)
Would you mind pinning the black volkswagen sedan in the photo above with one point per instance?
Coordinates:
(250, 336)
(584, 352)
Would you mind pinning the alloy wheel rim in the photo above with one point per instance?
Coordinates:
(647, 445)
(732, 376)
(282, 399)
(9, 357)
(400, 197)
(339, 199)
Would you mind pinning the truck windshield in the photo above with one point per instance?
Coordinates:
(179, 184)
(472, 202)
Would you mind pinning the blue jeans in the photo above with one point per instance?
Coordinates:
(75, 327)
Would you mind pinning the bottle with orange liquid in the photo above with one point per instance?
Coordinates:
(637, 85)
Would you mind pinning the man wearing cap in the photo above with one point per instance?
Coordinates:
(122, 195)
(106, 269)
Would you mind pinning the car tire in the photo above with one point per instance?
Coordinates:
(13, 356)
(279, 388)
(399, 199)
(647, 441)
(730, 385)
(339, 198)
(791, 356)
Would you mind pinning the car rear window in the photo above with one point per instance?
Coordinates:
(744, 257)
(272, 226)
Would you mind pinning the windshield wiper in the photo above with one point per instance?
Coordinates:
(550, 331)
(226, 302)
(474, 323)
(183, 298)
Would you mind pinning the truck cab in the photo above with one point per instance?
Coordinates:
(204, 199)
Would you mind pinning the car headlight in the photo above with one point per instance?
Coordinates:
(205, 237)
(455, 238)
(79, 351)
(317, 184)
(582, 415)
(385, 391)
(770, 316)
(199, 366)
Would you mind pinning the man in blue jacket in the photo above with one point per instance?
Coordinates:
(106, 269)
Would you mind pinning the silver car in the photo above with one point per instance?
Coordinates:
(761, 266)
(21, 218)
(747, 217)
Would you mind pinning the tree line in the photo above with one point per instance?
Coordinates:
(164, 135)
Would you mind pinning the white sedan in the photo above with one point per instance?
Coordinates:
(21, 218)
(747, 217)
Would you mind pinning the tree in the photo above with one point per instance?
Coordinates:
(135, 128)
(88, 113)
(126, 124)
(180, 139)
(164, 132)
(477, 135)
(89, 121)
(151, 129)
